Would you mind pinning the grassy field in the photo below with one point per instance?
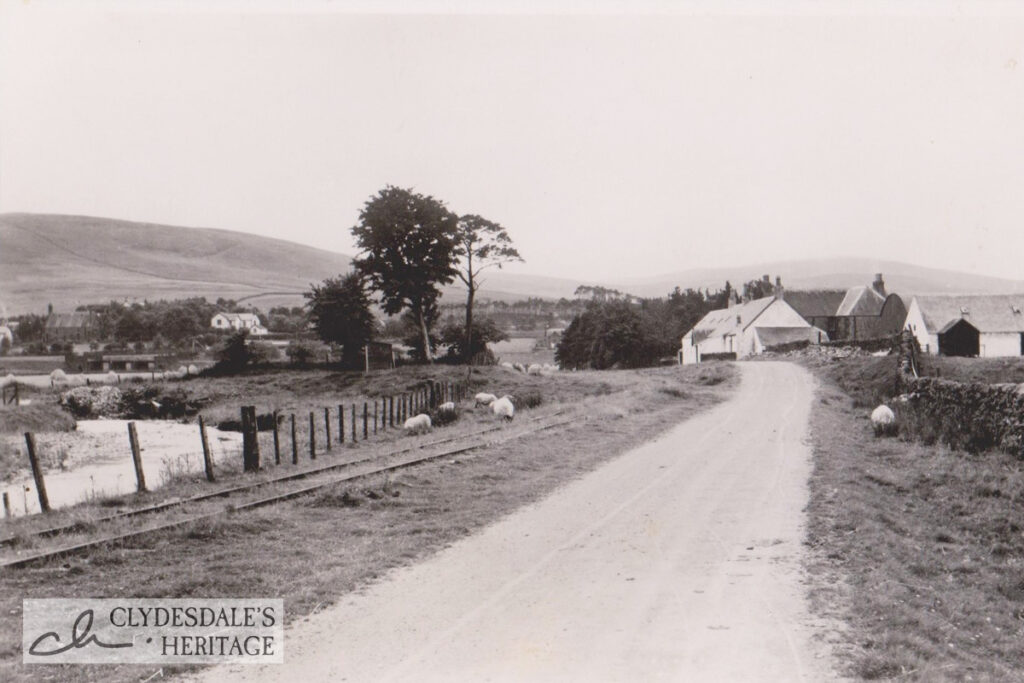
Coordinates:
(986, 370)
(312, 550)
(918, 548)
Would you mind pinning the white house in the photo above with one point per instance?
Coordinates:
(747, 328)
(985, 325)
(239, 321)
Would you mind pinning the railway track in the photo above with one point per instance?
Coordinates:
(322, 477)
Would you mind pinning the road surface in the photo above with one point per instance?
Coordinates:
(678, 561)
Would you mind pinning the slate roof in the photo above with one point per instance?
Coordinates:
(815, 303)
(66, 320)
(985, 312)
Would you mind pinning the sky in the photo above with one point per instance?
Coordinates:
(612, 140)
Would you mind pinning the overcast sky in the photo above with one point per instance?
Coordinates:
(611, 144)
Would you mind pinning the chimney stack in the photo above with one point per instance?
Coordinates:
(879, 284)
(779, 291)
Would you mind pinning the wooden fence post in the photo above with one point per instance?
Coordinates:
(341, 423)
(37, 472)
(391, 410)
(327, 426)
(207, 456)
(374, 417)
(250, 440)
(7, 505)
(353, 423)
(133, 441)
(366, 415)
(312, 437)
(295, 443)
(277, 442)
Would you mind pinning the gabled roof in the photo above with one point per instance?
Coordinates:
(74, 320)
(815, 303)
(985, 312)
(861, 300)
(247, 317)
(726, 321)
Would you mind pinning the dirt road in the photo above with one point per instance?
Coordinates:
(680, 561)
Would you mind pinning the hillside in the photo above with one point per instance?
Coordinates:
(71, 260)
(839, 273)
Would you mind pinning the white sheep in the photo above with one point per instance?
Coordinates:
(503, 408)
(483, 399)
(448, 407)
(417, 424)
(520, 367)
(883, 420)
(58, 376)
(534, 369)
(508, 366)
(193, 370)
(112, 378)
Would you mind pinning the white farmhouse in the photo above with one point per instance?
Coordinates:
(239, 321)
(985, 325)
(747, 328)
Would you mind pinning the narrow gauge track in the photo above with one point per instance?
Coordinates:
(361, 468)
(86, 525)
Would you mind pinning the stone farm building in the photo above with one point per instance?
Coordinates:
(238, 321)
(858, 313)
(970, 325)
(747, 328)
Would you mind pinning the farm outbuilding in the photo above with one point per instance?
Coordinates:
(745, 329)
(858, 313)
(984, 325)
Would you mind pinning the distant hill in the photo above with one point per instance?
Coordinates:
(839, 273)
(72, 260)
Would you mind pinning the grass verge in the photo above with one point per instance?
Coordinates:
(312, 550)
(920, 549)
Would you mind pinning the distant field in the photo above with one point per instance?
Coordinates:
(521, 350)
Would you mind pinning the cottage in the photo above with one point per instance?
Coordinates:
(747, 328)
(238, 321)
(984, 325)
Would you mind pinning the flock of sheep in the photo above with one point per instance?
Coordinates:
(545, 369)
(501, 407)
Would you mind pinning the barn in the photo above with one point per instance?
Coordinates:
(983, 325)
(745, 329)
(858, 313)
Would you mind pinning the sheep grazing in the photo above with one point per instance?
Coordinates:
(483, 399)
(58, 376)
(883, 420)
(193, 370)
(417, 424)
(8, 380)
(534, 369)
(520, 367)
(503, 408)
(448, 407)
(508, 366)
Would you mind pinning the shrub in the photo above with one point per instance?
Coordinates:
(440, 418)
(300, 352)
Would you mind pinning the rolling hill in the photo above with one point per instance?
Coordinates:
(72, 260)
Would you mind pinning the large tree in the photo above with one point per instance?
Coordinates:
(409, 246)
(339, 309)
(484, 244)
